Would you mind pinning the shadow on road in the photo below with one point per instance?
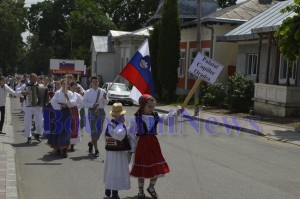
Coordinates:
(25, 144)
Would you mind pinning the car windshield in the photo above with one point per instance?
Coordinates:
(118, 87)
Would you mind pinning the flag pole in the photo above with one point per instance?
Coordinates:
(113, 82)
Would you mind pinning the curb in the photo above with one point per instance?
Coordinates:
(246, 130)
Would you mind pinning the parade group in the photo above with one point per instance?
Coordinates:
(56, 111)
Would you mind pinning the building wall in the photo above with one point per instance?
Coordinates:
(224, 52)
(104, 63)
(188, 43)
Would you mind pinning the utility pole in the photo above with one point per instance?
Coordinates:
(198, 44)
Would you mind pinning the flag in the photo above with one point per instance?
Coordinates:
(66, 65)
(138, 71)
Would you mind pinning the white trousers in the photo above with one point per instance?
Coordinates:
(37, 112)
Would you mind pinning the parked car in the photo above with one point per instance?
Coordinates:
(118, 92)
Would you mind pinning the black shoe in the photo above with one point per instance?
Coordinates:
(96, 153)
(108, 192)
(29, 140)
(58, 151)
(152, 192)
(2, 133)
(115, 195)
(37, 137)
(72, 148)
(141, 195)
(90, 147)
(64, 153)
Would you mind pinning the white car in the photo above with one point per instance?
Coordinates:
(118, 92)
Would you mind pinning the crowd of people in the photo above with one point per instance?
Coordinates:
(57, 111)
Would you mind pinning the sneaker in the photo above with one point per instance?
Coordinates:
(29, 140)
(96, 153)
(90, 147)
(152, 192)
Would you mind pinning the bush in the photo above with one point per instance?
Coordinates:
(212, 94)
(239, 93)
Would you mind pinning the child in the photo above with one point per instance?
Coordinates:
(116, 170)
(149, 161)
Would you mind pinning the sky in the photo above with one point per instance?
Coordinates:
(28, 4)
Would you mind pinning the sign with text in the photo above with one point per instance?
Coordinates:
(205, 68)
(64, 66)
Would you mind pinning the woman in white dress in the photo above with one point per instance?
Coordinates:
(76, 134)
(61, 102)
(116, 169)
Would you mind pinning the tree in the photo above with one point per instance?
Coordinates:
(129, 15)
(289, 33)
(85, 20)
(12, 24)
(47, 20)
(168, 51)
(226, 3)
(64, 28)
(153, 45)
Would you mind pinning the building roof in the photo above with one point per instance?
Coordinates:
(102, 44)
(267, 21)
(145, 32)
(116, 33)
(238, 13)
(188, 9)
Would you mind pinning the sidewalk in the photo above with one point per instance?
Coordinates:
(251, 124)
(8, 178)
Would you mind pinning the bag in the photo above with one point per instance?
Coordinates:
(115, 145)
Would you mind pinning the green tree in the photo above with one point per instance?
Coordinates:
(37, 56)
(64, 28)
(85, 20)
(129, 15)
(47, 20)
(12, 24)
(153, 45)
(226, 3)
(289, 32)
(168, 51)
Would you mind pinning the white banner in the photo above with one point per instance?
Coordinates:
(205, 68)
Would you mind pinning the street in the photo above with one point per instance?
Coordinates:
(202, 166)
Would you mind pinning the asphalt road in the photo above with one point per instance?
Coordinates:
(204, 166)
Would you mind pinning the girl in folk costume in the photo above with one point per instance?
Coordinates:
(61, 102)
(149, 161)
(75, 134)
(116, 170)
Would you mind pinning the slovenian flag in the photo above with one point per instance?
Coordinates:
(138, 72)
(66, 65)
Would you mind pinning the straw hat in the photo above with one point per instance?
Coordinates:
(117, 109)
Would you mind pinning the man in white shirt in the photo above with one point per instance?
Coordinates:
(30, 111)
(4, 89)
(95, 99)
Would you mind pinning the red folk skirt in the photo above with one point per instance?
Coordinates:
(75, 122)
(149, 161)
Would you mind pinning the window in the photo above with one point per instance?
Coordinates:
(181, 62)
(252, 64)
(206, 52)
(284, 68)
(193, 54)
